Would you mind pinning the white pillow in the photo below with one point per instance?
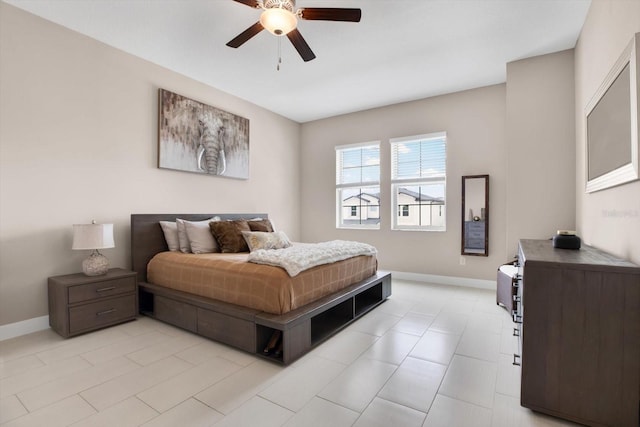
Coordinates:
(182, 237)
(170, 230)
(200, 238)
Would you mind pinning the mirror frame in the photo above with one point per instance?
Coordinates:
(615, 117)
(486, 215)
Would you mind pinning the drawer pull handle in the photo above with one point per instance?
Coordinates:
(517, 298)
(102, 313)
(517, 318)
(110, 288)
(516, 332)
(515, 283)
(516, 359)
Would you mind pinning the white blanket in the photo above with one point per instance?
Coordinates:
(302, 256)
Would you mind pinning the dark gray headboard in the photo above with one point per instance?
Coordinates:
(147, 238)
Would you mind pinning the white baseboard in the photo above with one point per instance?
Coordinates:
(445, 280)
(36, 324)
(24, 327)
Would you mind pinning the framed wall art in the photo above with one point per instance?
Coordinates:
(612, 156)
(199, 138)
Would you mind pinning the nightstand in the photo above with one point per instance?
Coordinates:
(80, 303)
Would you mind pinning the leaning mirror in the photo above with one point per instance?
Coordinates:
(475, 215)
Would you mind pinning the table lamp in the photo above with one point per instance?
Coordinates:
(93, 237)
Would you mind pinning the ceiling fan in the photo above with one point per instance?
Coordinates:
(280, 18)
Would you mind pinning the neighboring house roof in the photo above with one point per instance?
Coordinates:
(419, 197)
(416, 196)
(362, 196)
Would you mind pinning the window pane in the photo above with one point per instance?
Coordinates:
(420, 205)
(371, 173)
(371, 156)
(418, 178)
(418, 159)
(408, 151)
(354, 165)
(351, 176)
(359, 206)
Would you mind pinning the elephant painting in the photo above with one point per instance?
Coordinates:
(213, 139)
(196, 137)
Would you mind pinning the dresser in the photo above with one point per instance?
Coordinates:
(474, 234)
(577, 314)
(80, 303)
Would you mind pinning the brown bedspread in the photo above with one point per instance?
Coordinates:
(230, 278)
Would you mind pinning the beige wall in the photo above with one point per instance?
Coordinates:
(78, 136)
(78, 142)
(608, 219)
(540, 147)
(474, 121)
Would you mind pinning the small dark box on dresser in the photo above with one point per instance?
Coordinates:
(79, 303)
(563, 241)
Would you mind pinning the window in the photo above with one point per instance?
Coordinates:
(358, 186)
(418, 182)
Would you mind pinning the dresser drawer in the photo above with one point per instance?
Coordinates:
(102, 313)
(474, 243)
(106, 288)
(475, 234)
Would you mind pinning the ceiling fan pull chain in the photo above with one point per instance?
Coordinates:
(279, 53)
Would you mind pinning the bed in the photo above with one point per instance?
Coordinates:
(301, 324)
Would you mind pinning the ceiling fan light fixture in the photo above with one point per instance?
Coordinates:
(278, 21)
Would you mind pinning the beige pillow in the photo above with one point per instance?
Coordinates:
(170, 230)
(201, 240)
(266, 240)
(228, 234)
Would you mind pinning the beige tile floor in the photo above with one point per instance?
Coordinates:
(429, 356)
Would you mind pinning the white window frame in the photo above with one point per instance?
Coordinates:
(364, 184)
(396, 183)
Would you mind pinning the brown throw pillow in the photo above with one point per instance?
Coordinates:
(228, 234)
(260, 225)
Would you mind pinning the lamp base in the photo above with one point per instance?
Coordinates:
(96, 265)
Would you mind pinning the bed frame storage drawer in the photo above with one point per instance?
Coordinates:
(239, 333)
(177, 313)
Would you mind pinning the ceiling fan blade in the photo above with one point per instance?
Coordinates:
(301, 45)
(244, 36)
(250, 3)
(330, 14)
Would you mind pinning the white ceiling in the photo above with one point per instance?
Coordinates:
(402, 50)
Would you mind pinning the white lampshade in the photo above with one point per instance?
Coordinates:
(278, 21)
(92, 236)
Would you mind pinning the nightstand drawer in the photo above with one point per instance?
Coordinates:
(102, 313)
(101, 289)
